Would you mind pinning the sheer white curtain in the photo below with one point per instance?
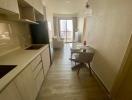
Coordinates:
(56, 26)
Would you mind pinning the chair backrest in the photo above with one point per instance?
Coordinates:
(86, 57)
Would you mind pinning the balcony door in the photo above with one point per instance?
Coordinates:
(66, 30)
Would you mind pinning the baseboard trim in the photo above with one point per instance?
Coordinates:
(101, 83)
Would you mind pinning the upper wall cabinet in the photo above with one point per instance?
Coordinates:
(9, 6)
(28, 13)
(22, 10)
(37, 4)
(38, 16)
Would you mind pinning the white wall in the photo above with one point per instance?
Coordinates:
(80, 26)
(110, 31)
(80, 23)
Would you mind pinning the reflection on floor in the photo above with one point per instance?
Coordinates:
(63, 84)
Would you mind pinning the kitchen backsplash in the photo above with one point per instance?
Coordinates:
(18, 36)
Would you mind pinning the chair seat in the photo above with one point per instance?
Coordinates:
(83, 58)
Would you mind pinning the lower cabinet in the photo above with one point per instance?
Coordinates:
(46, 60)
(39, 80)
(10, 93)
(26, 84)
(30, 80)
(38, 76)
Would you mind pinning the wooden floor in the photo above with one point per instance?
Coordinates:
(63, 84)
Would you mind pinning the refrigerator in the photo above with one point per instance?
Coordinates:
(40, 35)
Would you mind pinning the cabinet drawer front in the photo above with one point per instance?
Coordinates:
(39, 80)
(46, 68)
(46, 57)
(37, 70)
(46, 52)
(46, 60)
(35, 62)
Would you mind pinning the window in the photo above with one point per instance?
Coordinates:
(66, 30)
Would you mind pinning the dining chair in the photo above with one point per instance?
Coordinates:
(83, 59)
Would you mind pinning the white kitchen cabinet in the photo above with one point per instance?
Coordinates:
(39, 80)
(26, 84)
(10, 93)
(30, 80)
(46, 60)
(37, 4)
(37, 70)
(27, 13)
(35, 62)
(39, 16)
(10, 5)
(38, 75)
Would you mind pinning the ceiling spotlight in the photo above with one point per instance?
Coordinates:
(88, 9)
(87, 5)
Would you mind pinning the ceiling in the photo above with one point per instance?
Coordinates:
(65, 6)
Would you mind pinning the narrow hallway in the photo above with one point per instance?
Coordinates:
(63, 84)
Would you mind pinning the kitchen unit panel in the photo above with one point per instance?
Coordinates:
(37, 4)
(10, 5)
(10, 93)
(39, 80)
(46, 60)
(26, 84)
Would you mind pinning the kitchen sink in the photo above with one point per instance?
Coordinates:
(34, 47)
(4, 69)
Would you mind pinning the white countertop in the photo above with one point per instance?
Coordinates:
(21, 58)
